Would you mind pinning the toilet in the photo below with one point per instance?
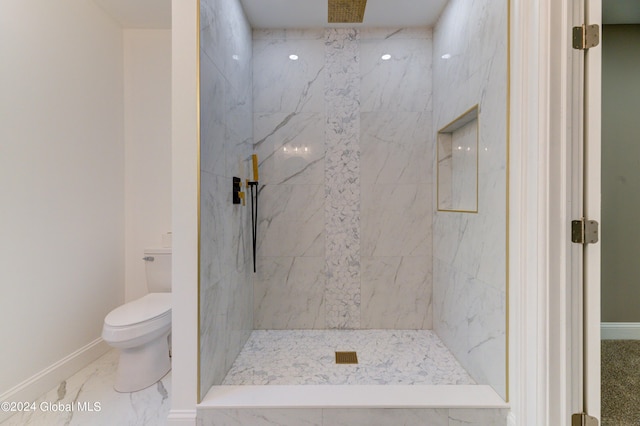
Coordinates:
(141, 329)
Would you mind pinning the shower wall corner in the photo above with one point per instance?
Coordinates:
(226, 142)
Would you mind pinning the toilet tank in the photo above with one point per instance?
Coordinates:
(158, 266)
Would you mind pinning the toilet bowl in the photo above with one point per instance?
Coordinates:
(141, 330)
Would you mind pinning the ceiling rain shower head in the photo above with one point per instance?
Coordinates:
(346, 11)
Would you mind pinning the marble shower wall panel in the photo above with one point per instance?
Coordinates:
(403, 83)
(469, 293)
(290, 293)
(226, 287)
(289, 126)
(396, 171)
(396, 293)
(342, 178)
(396, 147)
(285, 85)
(471, 335)
(394, 220)
(296, 224)
(278, 135)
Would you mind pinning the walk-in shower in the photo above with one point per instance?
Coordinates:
(355, 252)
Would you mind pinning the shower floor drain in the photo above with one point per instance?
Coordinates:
(346, 358)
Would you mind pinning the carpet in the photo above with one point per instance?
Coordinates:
(620, 382)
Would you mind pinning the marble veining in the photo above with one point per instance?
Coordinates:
(393, 285)
(226, 106)
(469, 284)
(345, 148)
(342, 178)
(298, 280)
(403, 83)
(295, 226)
(94, 384)
(395, 147)
(307, 357)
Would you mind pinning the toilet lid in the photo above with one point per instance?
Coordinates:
(144, 309)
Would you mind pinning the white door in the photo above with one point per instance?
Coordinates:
(592, 197)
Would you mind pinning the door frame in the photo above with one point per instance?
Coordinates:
(592, 210)
(574, 193)
(546, 337)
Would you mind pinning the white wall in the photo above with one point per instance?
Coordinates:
(184, 142)
(62, 180)
(147, 135)
(620, 177)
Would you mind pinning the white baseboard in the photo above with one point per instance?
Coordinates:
(182, 418)
(47, 379)
(620, 331)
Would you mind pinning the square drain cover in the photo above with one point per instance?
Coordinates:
(346, 358)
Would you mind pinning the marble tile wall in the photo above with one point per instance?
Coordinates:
(226, 286)
(397, 145)
(289, 129)
(353, 416)
(345, 220)
(469, 294)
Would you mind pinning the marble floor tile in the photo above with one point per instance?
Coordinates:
(88, 398)
(385, 357)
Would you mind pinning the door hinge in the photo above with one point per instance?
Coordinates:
(586, 37)
(584, 231)
(583, 419)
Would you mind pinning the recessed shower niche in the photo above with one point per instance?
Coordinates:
(458, 164)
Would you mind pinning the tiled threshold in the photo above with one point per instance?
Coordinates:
(352, 396)
(352, 405)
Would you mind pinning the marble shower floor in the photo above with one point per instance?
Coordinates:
(94, 384)
(307, 357)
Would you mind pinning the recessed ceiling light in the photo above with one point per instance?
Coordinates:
(293, 57)
(385, 57)
(446, 56)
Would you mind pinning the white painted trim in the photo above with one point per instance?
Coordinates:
(562, 180)
(184, 217)
(47, 379)
(592, 211)
(528, 232)
(353, 396)
(182, 418)
(620, 331)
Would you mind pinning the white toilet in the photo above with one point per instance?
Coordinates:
(141, 329)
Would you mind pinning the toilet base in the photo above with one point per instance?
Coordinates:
(142, 366)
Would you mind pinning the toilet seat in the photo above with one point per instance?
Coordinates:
(140, 310)
(141, 318)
